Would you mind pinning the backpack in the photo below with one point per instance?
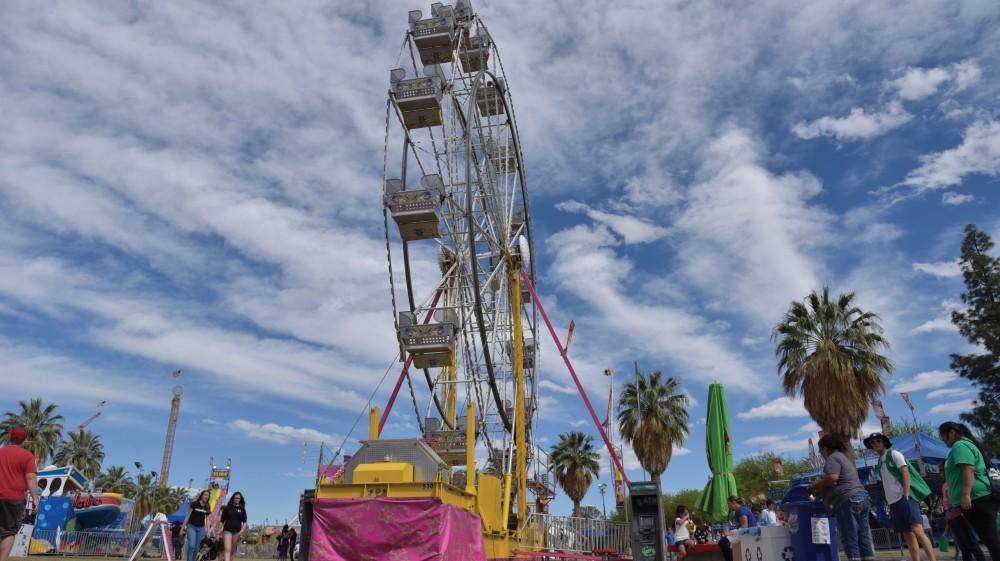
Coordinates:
(919, 490)
(993, 474)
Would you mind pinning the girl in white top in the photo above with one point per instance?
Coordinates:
(682, 533)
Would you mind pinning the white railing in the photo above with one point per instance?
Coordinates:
(577, 535)
(106, 544)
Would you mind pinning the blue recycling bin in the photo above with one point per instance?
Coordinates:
(798, 517)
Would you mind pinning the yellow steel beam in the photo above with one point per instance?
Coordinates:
(373, 423)
(470, 448)
(521, 432)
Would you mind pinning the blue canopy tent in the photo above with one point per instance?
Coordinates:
(932, 452)
(180, 514)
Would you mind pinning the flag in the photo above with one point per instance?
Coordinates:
(916, 441)
(176, 374)
(778, 468)
(877, 407)
(569, 336)
(886, 425)
(812, 453)
(906, 398)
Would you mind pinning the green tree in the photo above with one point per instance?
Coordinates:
(115, 479)
(755, 473)
(591, 512)
(979, 322)
(168, 499)
(653, 417)
(906, 427)
(574, 462)
(82, 450)
(44, 428)
(829, 352)
(145, 495)
(671, 501)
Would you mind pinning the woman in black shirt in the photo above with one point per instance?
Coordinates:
(194, 524)
(234, 522)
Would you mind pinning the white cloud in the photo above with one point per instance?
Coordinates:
(782, 407)
(938, 324)
(632, 229)
(778, 444)
(954, 408)
(954, 199)
(950, 392)
(750, 238)
(579, 423)
(34, 371)
(811, 426)
(919, 83)
(939, 269)
(283, 434)
(941, 323)
(631, 324)
(209, 421)
(547, 385)
(926, 381)
(979, 153)
(858, 125)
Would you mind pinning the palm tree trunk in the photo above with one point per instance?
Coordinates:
(576, 507)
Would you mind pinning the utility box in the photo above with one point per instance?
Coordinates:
(384, 472)
(647, 521)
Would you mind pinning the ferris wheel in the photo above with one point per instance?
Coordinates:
(454, 192)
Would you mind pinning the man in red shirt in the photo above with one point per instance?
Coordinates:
(17, 477)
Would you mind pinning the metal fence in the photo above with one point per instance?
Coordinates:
(578, 535)
(98, 544)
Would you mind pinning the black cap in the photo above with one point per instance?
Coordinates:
(877, 436)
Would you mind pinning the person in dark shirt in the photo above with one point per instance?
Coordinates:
(283, 543)
(292, 537)
(234, 522)
(194, 524)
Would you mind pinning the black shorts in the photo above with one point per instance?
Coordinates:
(11, 515)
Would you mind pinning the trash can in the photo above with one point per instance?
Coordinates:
(808, 524)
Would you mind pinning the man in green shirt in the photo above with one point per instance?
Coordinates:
(968, 484)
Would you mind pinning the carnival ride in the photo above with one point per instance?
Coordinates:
(454, 192)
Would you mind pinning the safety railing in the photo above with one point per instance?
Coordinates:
(96, 544)
(885, 538)
(569, 534)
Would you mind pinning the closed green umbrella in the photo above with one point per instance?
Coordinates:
(714, 500)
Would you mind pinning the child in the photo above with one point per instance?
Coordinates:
(682, 533)
(209, 549)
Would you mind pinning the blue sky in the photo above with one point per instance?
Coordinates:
(197, 186)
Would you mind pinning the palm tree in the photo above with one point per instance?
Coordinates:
(83, 451)
(168, 499)
(115, 479)
(43, 425)
(574, 462)
(829, 353)
(653, 417)
(145, 494)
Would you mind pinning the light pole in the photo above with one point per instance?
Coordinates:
(603, 487)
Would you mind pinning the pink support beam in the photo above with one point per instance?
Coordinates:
(576, 380)
(406, 367)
